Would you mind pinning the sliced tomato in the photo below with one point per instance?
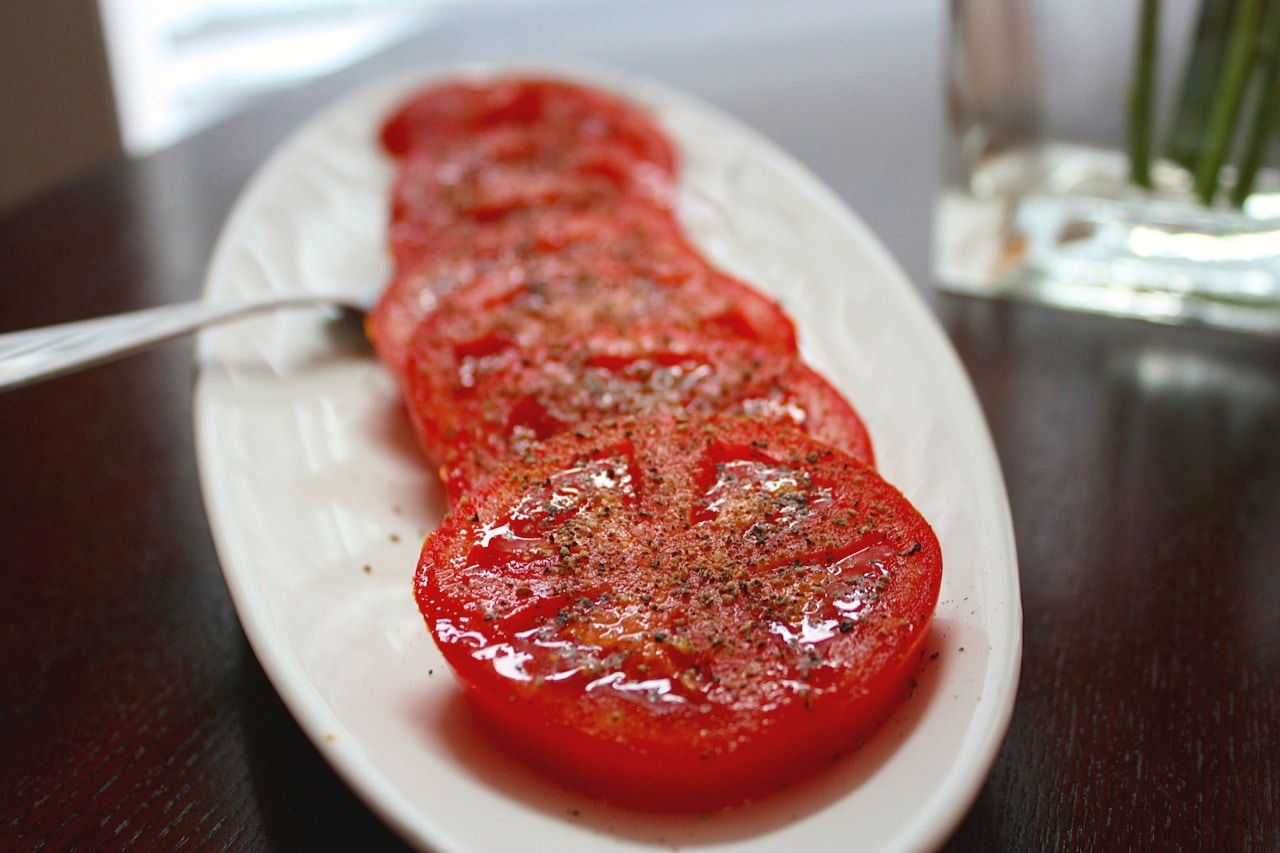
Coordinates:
(497, 171)
(484, 404)
(430, 194)
(567, 115)
(554, 295)
(680, 613)
(552, 223)
(491, 172)
(631, 238)
(492, 321)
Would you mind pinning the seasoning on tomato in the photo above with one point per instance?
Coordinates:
(630, 239)
(678, 613)
(474, 410)
(472, 153)
(546, 115)
(493, 319)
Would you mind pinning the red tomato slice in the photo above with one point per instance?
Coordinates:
(680, 613)
(492, 321)
(495, 173)
(556, 296)
(630, 238)
(630, 229)
(441, 117)
(478, 409)
(491, 170)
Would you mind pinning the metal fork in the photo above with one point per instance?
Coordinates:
(34, 355)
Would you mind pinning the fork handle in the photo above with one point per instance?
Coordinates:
(33, 355)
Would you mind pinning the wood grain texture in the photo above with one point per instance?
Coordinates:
(1143, 466)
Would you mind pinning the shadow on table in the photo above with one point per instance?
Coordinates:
(302, 803)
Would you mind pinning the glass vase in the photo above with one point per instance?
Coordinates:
(1076, 162)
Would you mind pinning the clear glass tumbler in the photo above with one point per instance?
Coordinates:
(1115, 157)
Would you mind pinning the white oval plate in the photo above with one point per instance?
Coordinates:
(318, 501)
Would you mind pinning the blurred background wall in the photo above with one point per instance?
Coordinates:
(57, 109)
(84, 81)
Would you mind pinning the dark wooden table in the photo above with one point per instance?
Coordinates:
(1142, 464)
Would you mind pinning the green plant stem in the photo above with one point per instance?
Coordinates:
(1199, 80)
(1227, 98)
(1142, 95)
(1266, 107)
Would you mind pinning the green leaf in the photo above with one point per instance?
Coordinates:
(1240, 60)
(1199, 81)
(1142, 94)
(1266, 106)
